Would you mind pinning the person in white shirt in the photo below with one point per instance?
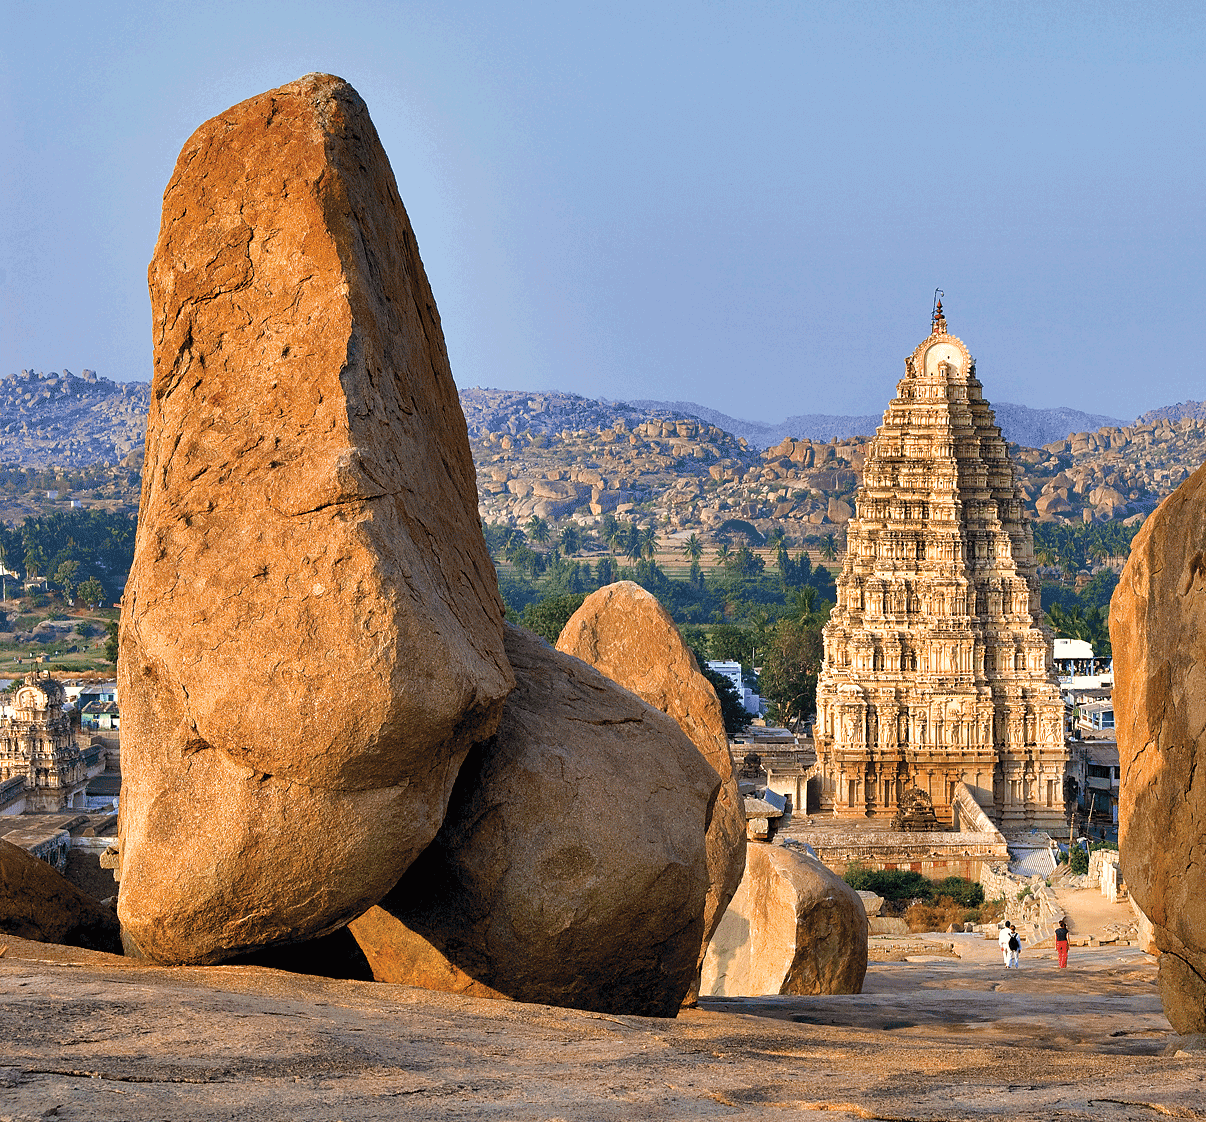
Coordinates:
(1015, 947)
(1003, 941)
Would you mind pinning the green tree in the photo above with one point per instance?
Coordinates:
(538, 529)
(792, 661)
(828, 548)
(111, 642)
(92, 592)
(64, 576)
(692, 548)
(549, 617)
(571, 540)
(730, 643)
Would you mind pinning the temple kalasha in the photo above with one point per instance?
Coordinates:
(937, 666)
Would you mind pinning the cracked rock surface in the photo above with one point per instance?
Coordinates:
(89, 1036)
(311, 636)
(571, 868)
(625, 634)
(1158, 634)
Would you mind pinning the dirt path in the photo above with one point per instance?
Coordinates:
(1090, 913)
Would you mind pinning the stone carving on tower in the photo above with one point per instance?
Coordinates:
(937, 667)
(37, 742)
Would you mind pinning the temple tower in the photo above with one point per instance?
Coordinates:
(39, 743)
(937, 666)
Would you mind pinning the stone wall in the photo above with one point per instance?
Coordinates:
(1034, 915)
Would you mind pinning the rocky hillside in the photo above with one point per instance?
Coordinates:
(69, 421)
(553, 455)
(558, 454)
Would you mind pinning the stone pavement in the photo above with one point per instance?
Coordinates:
(90, 1036)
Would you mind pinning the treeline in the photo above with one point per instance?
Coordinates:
(1072, 547)
(741, 610)
(97, 479)
(72, 548)
(1084, 612)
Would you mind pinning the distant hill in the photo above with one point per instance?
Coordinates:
(1174, 413)
(69, 421)
(1019, 423)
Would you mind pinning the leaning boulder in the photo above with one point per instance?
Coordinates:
(571, 869)
(311, 635)
(1158, 635)
(625, 634)
(38, 903)
(794, 927)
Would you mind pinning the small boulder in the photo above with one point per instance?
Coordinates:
(625, 634)
(311, 634)
(793, 927)
(571, 868)
(39, 903)
(1158, 635)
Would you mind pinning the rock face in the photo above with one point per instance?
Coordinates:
(571, 868)
(794, 927)
(1158, 634)
(311, 635)
(38, 903)
(625, 634)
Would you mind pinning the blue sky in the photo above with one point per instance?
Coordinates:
(746, 205)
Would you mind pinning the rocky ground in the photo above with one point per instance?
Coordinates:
(90, 1036)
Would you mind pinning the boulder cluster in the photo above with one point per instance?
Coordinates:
(337, 755)
(327, 725)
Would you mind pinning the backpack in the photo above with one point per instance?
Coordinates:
(1014, 945)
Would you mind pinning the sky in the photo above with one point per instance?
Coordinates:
(747, 205)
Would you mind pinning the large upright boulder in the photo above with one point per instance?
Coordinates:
(625, 634)
(1158, 635)
(311, 635)
(571, 868)
(793, 927)
(39, 903)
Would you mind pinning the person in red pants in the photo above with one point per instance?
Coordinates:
(1061, 943)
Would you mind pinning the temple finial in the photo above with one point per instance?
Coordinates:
(939, 320)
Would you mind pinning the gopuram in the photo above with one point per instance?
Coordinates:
(38, 744)
(937, 667)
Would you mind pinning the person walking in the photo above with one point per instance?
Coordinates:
(1015, 947)
(1003, 937)
(1061, 943)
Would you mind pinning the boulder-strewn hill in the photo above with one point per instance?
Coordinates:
(1019, 423)
(61, 420)
(1174, 413)
(557, 454)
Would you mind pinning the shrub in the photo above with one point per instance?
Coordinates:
(904, 884)
(1078, 861)
(891, 884)
(961, 890)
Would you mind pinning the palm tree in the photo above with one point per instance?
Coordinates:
(571, 540)
(633, 542)
(538, 529)
(724, 554)
(649, 542)
(693, 548)
(829, 547)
